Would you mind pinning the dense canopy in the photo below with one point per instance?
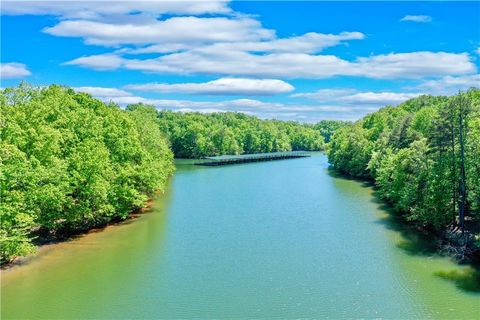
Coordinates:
(69, 162)
(196, 135)
(423, 155)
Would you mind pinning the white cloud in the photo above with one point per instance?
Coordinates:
(355, 97)
(417, 64)
(103, 92)
(379, 98)
(183, 30)
(232, 45)
(222, 86)
(159, 48)
(419, 18)
(13, 70)
(291, 65)
(98, 62)
(325, 94)
(450, 85)
(307, 43)
(286, 111)
(98, 9)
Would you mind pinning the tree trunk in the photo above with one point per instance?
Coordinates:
(454, 169)
(463, 188)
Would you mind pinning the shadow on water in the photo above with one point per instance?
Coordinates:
(467, 279)
(338, 175)
(421, 243)
(414, 240)
(418, 242)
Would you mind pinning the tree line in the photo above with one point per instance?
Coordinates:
(424, 156)
(196, 135)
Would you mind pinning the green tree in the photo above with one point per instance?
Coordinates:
(423, 155)
(69, 162)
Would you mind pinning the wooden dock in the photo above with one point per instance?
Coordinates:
(245, 158)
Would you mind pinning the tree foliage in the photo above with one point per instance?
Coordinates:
(196, 135)
(328, 127)
(423, 155)
(70, 162)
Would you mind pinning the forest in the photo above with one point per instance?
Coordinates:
(424, 157)
(70, 162)
(196, 135)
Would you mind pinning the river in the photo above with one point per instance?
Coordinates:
(279, 239)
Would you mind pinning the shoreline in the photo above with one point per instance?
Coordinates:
(44, 243)
(447, 243)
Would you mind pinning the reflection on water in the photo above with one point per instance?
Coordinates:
(279, 239)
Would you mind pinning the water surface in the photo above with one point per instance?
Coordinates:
(279, 239)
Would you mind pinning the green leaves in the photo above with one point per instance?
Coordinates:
(413, 153)
(195, 135)
(70, 162)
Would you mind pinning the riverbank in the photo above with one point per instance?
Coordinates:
(44, 242)
(450, 243)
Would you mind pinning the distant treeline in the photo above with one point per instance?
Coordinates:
(196, 135)
(69, 162)
(423, 155)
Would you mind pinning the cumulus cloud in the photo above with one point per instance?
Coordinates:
(307, 43)
(355, 102)
(227, 44)
(119, 26)
(379, 98)
(98, 62)
(103, 92)
(292, 65)
(183, 30)
(301, 112)
(419, 18)
(98, 9)
(417, 64)
(222, 86)
(355, 97)
(325, 94)
(13, 70)
(450, 85)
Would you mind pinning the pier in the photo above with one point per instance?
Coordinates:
(245, 158)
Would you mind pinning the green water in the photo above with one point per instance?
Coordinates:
(283, 239)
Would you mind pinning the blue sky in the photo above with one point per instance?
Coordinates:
(288, 60)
